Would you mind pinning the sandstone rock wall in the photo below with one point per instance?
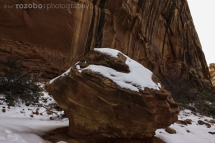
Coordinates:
(212, 73)
(158, 34)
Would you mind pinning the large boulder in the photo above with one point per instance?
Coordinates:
(110, 95)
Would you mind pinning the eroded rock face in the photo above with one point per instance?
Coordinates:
(101, 100)
(212, 73)
(159, 35)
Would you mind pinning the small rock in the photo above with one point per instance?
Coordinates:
(64, 115)
(58, 108)
(37, 112)
(41, 94)
(189, 121)
(194, 113)
(3, 110)
(49, 112)
(27, 104)
(170, 130)
(188, 131)
(200, 122)
(213, 133)
(83, 64)
(32, 116)
(181, 122)
(212, 121)
(208, 125)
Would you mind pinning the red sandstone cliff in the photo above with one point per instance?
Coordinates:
(159, 34)
(212, 73)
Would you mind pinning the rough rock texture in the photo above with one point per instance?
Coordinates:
(158, 34)
(212, 73)
(170, 130)
(96, 105)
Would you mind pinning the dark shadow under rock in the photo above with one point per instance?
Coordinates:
(60, 134)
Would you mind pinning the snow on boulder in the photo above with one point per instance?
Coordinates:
(137, 78)
(107, 94)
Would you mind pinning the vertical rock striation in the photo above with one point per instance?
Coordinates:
(212, 73)
(158, 34)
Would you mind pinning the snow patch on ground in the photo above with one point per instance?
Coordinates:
(21, 125)
(190, 133)
(32, 111)
(25, 130)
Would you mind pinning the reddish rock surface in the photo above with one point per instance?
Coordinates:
(212, 73)
(159, 35)
(170, 130)
(99, 105)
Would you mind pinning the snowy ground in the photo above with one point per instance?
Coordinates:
(25, 124)
(190, 133)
